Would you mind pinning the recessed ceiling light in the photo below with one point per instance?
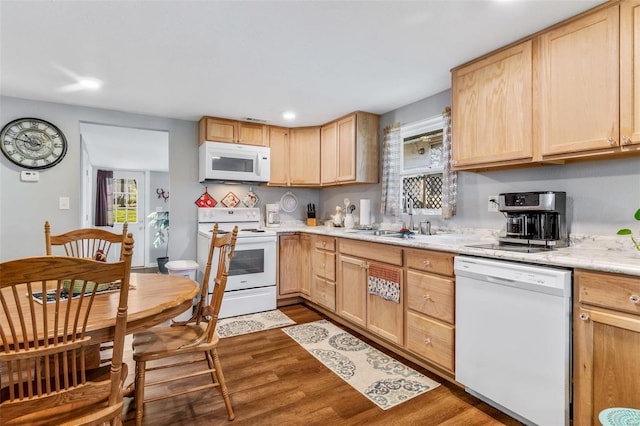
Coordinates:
(289, 115)
(90, 83)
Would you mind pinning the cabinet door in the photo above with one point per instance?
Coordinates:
(351, 290)
(221, 130)
(329, 151)
(492, 109)
(346, 129)
(304, 156)
(579, 90)
(279, 142)
(630, 74)
(606, 363)
(289, 264)
(323, 293)
(385, 317)
(253, 134)
(306, 271)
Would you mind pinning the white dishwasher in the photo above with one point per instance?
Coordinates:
(513, 337)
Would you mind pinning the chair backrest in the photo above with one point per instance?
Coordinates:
(85, 242)
(43, 343)
(224, 245)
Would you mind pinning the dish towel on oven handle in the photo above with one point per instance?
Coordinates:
(384, 282)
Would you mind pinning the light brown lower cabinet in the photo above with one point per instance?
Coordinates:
(289, 265)
(323, 286)
(306, 268)
(606, 344)
(432, 340)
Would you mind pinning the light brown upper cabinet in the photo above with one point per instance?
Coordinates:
(304, 156)
(295, 156)
(350, 149)
(492, 109)
(579, 85)
(279, 142)
(630, 74)
(329, 150)
(567, 93)
(230, 131)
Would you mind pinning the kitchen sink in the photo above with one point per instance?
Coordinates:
(436, 239)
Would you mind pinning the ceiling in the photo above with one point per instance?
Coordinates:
(238, 59)
(146, 149)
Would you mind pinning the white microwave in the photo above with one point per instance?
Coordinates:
(221, 161)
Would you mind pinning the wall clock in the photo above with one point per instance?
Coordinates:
(33, 143)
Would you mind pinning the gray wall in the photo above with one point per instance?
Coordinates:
(24, 207)
(603, 195)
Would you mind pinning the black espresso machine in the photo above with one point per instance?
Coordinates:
(534, 219)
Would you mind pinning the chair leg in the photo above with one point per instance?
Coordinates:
(212, 366)
(140, 373)
(223, 386)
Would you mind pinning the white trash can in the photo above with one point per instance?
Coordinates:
(185, 268)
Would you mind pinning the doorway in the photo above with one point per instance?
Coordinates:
(139, 160)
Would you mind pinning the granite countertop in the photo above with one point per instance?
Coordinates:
(599, 253)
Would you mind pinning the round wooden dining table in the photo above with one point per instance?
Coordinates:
(153, 299)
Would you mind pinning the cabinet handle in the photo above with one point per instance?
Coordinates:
(365, 265)
(427, 341)
(612, 141)
(324, 243)
(626, 140)
(634, 298)
(584, 316)
(426, 262)
(426, 297)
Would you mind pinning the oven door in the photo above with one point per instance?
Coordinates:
(253, 264)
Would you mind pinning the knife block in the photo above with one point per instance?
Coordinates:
(312, 221)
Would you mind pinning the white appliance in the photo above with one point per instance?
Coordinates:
(251, 285)
(513, 341)
(221, 161)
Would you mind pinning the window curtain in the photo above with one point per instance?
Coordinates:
(104, 198)
(449, 177)
(390, 203)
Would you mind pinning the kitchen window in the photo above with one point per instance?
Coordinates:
(421, 166)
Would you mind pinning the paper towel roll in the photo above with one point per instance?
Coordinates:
(365, 212)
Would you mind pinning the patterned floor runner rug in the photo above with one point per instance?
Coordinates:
(382, 379)
(251, 323)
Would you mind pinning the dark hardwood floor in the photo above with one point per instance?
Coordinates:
(274, 381)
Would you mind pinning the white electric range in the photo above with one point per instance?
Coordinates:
(251, 286)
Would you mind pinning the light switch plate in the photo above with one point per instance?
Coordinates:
(63, 203)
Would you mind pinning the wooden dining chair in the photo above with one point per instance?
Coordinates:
(193, 337)
(92, 243)
(43, 341)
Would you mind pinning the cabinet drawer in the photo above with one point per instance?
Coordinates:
(431, 340)
(430, 261)
(325, 264)
(380, 252)
(618, 292)
(324, 293)
(325, 243)
(431, 295)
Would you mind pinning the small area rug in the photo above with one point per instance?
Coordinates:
(251, 323)
(382, 379)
